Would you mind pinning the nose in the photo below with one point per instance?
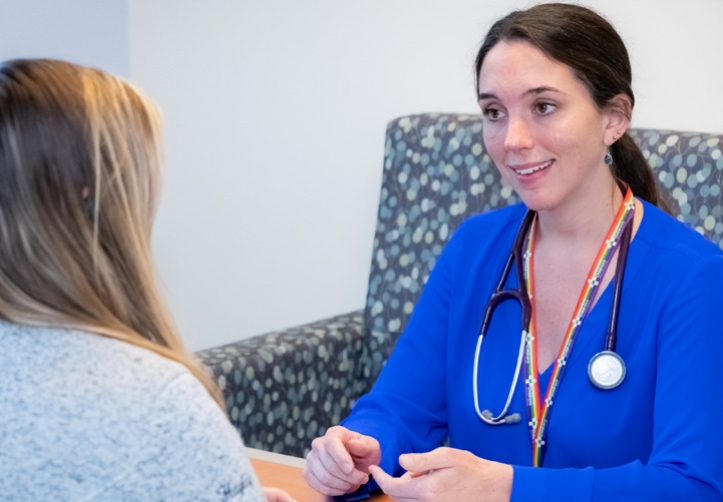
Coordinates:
(518, 135)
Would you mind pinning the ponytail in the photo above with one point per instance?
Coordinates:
(630, 166)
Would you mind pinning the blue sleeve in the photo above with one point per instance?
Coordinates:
(406, 410)
(686, 462)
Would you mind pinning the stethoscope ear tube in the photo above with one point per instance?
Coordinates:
(498, 296)
(486, 415)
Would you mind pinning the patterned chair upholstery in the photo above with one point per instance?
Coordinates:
(285, 388)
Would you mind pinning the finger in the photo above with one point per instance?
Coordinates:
(332, 448)
(276, 495)
(317, 485)
(366, 449)
(424, 462)
(320, 480)
(312, 466)
(341, 470)
(317, 457)
(363, 446)
(334, 451)
(404, 488)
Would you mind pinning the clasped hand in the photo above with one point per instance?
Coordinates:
(341, 461)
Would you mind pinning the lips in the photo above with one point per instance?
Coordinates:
(528, 169)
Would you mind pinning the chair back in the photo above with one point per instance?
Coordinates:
(437, 173)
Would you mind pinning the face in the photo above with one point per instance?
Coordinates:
(542, 128)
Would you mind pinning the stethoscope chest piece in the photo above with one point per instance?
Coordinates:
(606, 370)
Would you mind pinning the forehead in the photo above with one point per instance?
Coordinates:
(519, 66)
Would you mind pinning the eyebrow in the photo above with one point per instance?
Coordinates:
(536, 90)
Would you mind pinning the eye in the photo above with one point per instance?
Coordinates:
(544, 108)
(492, 113)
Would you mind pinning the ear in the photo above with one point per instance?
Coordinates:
(617, 118)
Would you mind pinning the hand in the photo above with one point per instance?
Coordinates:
(339, 461)
(447, 474)
(276, 495)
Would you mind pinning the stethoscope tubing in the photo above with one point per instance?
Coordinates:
(520, 294)
(612, 336)
(501, 294)
(499, 419)
(498, 296)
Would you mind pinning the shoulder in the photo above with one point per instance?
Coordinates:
(485, 236)
(502, 223)
(672, 240)
(500, 218)
(118, 417)
(676, 262)
(107, 362)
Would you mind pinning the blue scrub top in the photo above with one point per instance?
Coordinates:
(658, 436)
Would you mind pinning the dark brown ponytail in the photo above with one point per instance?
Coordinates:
(630, 165)
(590, 46)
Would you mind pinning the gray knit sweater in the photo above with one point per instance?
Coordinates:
(86, 418)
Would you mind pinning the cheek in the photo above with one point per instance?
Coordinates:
(579, 136)
(494, 143)
(568, 143)
(578, 148)
(559, 140)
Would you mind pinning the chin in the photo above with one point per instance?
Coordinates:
(535, 201)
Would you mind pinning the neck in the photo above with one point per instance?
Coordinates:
(582, 221)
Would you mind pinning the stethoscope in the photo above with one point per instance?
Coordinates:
(606, 369)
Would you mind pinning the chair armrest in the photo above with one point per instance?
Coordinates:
(285, 388)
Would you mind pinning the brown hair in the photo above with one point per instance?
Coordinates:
(80, 168)
(590, 46)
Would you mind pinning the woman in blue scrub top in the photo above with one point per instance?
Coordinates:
(554, 87)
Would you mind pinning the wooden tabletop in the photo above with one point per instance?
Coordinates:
(275, 471)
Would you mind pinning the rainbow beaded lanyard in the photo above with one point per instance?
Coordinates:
(538, 414)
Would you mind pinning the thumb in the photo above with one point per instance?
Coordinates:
(421, 462)
(363, 446)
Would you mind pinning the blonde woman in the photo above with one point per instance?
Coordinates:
(99, 399)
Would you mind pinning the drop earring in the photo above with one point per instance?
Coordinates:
(608, 158)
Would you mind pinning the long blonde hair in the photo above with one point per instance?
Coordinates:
(80, 173)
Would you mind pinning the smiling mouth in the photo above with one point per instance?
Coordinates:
(534, 169)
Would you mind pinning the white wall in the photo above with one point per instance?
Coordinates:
(275, 114)
(82, 31)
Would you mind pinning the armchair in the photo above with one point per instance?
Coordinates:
(285, 388)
